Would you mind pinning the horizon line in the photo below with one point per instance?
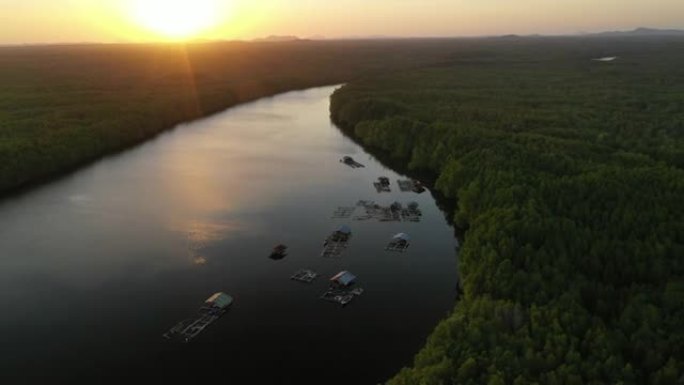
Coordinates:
(295, 38)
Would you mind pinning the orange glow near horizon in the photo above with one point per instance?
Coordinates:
(60, 21)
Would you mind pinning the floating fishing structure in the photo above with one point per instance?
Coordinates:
(349, 161)
(373, 210)
(382, 184)
(337, 242)
(214, 307)
(304, 275)
(399, 243)
(411, 213)
(340, 290)
(392, 213)
(410, 185)
(343, 212)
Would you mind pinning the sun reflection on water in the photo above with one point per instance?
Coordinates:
(200, 235)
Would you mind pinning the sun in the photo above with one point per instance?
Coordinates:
(175, 19)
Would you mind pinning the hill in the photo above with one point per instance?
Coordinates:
(644, 32)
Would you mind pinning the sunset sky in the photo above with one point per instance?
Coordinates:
(48, 21)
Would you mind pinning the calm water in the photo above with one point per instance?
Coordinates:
(96, 266)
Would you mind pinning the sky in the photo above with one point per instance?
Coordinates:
(62, 21)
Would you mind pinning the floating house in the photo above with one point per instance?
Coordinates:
(342, 234)
(400, 242)
(343, 278)
(219, 301)
(340, 291)
(336, 242)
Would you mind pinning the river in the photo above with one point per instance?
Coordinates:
(97, 265)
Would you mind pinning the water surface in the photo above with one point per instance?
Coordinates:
(96, 266)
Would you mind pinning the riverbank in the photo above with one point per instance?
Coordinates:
(64, 106)
(567, 173)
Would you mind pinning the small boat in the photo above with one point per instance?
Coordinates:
(279, 252)
(349, 161)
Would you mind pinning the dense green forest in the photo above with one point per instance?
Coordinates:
(62, 106)
(569, 177)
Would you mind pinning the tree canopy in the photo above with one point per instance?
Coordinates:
(569, 177)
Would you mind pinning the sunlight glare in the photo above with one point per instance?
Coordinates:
(175, 19)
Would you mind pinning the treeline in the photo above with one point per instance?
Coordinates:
(62, 106)
(569, 175)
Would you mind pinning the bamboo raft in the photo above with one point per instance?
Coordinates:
(304, 275)
(213, 309)
(341, 295)
(411, 213)
(371, 210)
(343, 212)
(393, 213)
(397, 246)
(334, 249)
(337, 242)
(188, 329)
(410, 185)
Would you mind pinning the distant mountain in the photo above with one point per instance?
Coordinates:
(643, 32)
(277, 39)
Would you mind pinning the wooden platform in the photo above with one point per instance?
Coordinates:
(393, 213)
(188, 329)
(409, 215)
(409, 185)
(334, 248)
(341, 296)
(397, 246)
(343, 212)
(304, 275)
